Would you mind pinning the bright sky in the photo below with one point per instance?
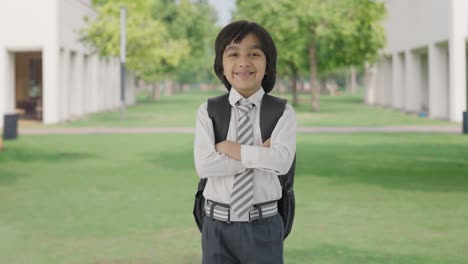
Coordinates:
(224, 8)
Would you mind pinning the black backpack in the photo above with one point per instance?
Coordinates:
(219, 110)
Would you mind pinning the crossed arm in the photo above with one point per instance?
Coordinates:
(228, 158)
(233, 149)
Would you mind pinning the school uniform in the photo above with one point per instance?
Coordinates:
(255, 237)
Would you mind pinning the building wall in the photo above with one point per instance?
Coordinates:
(413, 24)
(427, 40)
(76, 81)
(71, 20)
(25, 25)
(93, 82)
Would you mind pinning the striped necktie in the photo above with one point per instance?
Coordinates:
(242, 193)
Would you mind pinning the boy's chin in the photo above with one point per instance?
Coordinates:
(247, 87)
(247, 90)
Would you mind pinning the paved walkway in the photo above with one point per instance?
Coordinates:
(189, 130)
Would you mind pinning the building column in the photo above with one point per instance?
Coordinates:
(424, 81)
(3, 82)
(72, 85)
(78, 85)
(379, 88)
(64, 107)
(370, 83)
(457, 60)
(7, 83)
(413, 86)
(388, 82)
(116, 83)
(438, 82)
(114, 91)
(110, 90)
(398, 81)
(101, 88)
(51, 82)
(94, 82)
(86, 85)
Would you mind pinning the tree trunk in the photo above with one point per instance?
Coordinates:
(294, 75)
(156, 92)
(353, 80)
(281, 88)
(178, 87)
(348, 81)
(314, 87)
(168, 87)
(276, 88)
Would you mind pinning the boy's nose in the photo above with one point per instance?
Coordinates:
(244, 62)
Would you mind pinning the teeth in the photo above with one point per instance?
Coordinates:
(244, 73)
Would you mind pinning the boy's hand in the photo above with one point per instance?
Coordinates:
(266, 144)
(230, 148)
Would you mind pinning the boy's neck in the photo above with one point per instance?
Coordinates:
(247, 94)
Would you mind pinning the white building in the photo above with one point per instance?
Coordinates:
(423, 67)
(46, 73)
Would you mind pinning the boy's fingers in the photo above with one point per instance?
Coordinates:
(217, 147)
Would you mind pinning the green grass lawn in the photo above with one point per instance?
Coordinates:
(361, 198)
(179, 111)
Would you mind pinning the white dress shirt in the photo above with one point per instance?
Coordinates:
(267, 163)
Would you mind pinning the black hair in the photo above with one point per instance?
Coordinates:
(235, 32)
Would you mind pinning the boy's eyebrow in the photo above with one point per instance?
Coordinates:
(236, 47)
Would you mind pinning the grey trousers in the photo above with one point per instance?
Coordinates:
(257, 242)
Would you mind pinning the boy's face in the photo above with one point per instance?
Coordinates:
(244, 65)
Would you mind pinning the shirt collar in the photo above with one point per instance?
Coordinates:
(256, 98)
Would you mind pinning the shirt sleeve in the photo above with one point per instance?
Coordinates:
(209, 162)
(279, 156)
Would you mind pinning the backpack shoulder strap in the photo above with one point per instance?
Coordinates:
(219, 110)
(271, 111)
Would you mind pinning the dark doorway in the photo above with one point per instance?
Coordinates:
(28, 85)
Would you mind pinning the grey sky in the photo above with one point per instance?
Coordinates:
(224, 8)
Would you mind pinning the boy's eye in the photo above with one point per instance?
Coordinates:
(232, 54)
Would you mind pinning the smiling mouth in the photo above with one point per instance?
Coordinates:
(243, 74)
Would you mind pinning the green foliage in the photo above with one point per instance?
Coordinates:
(278, 18)
(193, 21)
(164, 37)
(350, 34)
(345, 32)
(319, 36)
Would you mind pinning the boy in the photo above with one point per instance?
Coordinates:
(242, 224)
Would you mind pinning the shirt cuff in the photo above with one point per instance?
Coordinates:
(249, 155)
(235, 166)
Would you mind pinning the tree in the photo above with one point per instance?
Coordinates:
(167, 39)
(329, 34)
(277, 18)
(193, 21)
(341, 33)
(150, 48)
